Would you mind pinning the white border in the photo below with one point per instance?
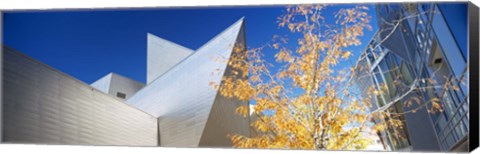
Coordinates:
(11, 5)
(63, 4)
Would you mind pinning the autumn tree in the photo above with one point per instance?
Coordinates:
(310, 101)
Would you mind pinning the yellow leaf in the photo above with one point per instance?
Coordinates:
(242, 110)
(275, 46)
(346, 54)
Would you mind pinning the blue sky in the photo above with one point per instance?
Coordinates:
(88, 44)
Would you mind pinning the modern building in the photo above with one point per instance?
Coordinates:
(177, 107)
(190, 112)
(419, 53)
(117, 85)
(42, 105)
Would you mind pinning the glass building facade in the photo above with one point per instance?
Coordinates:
(420, 53)
(382, 68)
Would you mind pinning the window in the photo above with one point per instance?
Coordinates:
(121, 95)
(424, 6)
(455, 15)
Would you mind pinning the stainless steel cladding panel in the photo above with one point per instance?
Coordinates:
(117, 85)
(162, 55)
(44, 106)
(103, 84)
(124, 85)
(223, 120)
(182, 97)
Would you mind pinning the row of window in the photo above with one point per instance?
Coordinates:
(452, 124)
(434, 51)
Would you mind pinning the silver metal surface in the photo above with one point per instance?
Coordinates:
(103, 84)
(182, 98)
(223, 120)
(44, 106)
(178, 108)
(113, 83)
(163, 55)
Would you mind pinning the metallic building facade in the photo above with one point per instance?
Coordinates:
(177, 107)
(428, 48)
(163, 55)
(117, 85)
(43, 105)
(190, 111)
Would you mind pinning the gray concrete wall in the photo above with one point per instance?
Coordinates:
(44, 106)
(182, 98)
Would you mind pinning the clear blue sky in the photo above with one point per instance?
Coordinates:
(88, 44)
